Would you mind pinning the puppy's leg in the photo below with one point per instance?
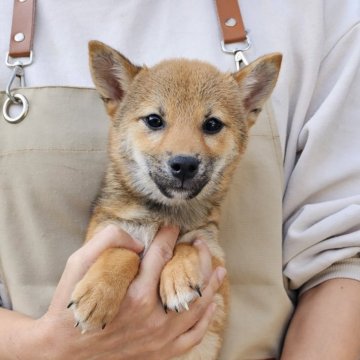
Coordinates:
(97, 297)
(181, 281)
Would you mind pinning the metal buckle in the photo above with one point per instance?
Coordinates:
(18, 99)
(18, 72)
(18, 62)
(238, 52)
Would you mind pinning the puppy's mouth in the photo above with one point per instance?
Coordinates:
(180, 177)
(179, 189)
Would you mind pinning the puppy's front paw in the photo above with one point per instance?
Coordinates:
(181, 279)
(94, 303)
(97, 297)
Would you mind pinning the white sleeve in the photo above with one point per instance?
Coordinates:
(322, 197)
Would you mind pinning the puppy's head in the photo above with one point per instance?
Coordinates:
(179, 127)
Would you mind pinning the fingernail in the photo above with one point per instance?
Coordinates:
(138, 243)
(108, 230)
(198, 242)
(120, 232)
(212, 308)
(108, 227)
(172, 228)
(220, 272)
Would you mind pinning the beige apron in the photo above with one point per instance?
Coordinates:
(51, 167)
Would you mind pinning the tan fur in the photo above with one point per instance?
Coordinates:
(141, 191)
(181, 278)
(107, 280)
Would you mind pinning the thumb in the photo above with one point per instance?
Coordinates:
(81, 260)
(158, 254)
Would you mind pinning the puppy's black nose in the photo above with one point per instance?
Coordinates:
(184, 167)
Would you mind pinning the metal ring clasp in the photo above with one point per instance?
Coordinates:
(19, 99)
(234, 50)
(18, 72)
(16, 62)
(238, 52)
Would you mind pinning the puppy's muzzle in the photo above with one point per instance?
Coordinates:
(180, 176)
(184, 167)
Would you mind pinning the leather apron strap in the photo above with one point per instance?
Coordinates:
(22, 30)
(235, 39)
(231, 22)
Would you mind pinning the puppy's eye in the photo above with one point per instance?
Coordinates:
(154, 122)
(212, 126)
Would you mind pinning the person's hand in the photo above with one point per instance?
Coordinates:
(142, 329)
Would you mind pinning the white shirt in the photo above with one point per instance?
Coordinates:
(315, 101)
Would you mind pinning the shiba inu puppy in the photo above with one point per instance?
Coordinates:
(177, 133)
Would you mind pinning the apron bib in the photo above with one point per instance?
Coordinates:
(51, 168)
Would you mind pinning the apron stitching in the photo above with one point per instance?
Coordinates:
(50, 150)
(53, 87)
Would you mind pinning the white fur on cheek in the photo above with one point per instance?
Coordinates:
(143, 181)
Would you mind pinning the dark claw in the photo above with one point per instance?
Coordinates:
(77, 324)
(71, 303)
(103, 327)
(197, 288)
(165, 308)
(176, 309)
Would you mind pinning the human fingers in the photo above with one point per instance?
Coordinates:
(187, 319)
(195, 335)
(112, 236)
(141, 316)
(158, 254)
(81, 260)
(205, 259)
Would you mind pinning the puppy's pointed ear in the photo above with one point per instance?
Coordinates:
(111, 72)
(256, 82)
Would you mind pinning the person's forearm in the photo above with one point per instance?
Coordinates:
(18, 336)
(326, 323)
